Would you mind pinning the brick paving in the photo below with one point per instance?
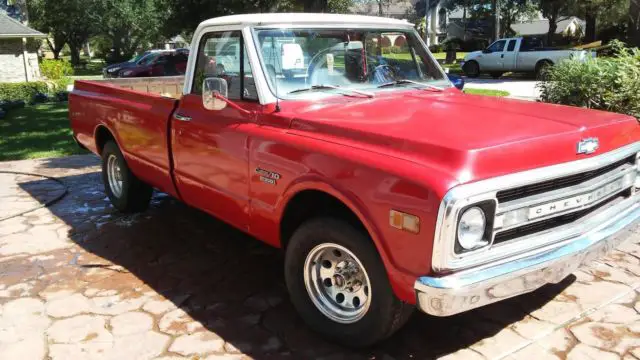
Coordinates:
(80, 281)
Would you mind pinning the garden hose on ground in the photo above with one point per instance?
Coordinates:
(43, 205)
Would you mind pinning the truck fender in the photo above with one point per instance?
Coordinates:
(401, 282)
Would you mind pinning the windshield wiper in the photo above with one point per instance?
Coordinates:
(407, 81)
(331, 87)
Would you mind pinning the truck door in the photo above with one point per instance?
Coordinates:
(509, 56)
(210, 151)
(492, 57)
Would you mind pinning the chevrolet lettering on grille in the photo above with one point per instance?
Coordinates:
(576, 201)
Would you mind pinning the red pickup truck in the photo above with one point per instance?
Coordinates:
(386, 187)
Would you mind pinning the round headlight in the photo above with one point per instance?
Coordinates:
(471, 229)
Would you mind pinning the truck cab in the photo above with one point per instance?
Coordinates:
(386, 188)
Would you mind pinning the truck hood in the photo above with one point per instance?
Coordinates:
(472, 55)
(469, 137)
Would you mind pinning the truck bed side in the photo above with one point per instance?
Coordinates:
(138, 120)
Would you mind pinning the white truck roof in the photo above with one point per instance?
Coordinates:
(303, 19)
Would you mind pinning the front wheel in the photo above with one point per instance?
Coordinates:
(126, 192)
(339, 285)
(471, 69)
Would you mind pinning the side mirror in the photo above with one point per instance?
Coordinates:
(214, 92)
(486, 51)
(457, 81)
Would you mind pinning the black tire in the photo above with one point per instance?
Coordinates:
(541, 69)
(471, 69)
(496, 75)
(385, 314)
(135, 194)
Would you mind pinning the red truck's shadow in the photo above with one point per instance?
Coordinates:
(233, 284)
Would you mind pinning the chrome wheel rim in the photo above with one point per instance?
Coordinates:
(337, 283)
(114, 174)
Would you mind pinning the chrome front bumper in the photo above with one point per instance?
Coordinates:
(473, 288)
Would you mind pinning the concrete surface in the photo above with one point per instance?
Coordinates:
(519, 88)
(81, 281)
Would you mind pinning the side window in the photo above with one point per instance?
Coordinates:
(497, 46)
(511, 46)
(219, 55)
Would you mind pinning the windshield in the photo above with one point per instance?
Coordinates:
(136, 58)
(148, 59)
(296, 59)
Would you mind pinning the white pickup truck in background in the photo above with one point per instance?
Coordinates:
(517, 55)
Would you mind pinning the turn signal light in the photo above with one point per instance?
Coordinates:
(404, 221)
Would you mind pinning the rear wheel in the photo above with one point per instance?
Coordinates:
(338, 284)
(126, 192)
(471, 69)
(541, 69)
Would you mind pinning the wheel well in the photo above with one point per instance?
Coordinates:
(309, 204)
(102, 136)
(544, 61)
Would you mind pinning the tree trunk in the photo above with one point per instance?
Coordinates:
(380, 8)
(75, 53)
(495, 7)
(590, 31)
(634, 23)
(464, 21)
(315, 5)
(553, 26)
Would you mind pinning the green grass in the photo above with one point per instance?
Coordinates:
(36, 132)
(91, 68)
(486, 92)
(453, 68)
(443, 55)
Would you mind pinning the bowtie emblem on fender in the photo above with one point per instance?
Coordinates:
(588, 146)
(268, 177)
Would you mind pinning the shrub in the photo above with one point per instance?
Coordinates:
(611, 84)
(22, 91)
(55, 69)
(32, 92)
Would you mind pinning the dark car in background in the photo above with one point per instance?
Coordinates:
(151, 63)
(112, 70)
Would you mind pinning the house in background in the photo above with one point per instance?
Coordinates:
(397, 9)
(444, 24)
(176, 42)
(18, 51)
(570, 28)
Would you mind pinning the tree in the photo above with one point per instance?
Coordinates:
(599, 14)
(129, 24)
(495, 9)
(512, 11)
(634, 23)
(72, 20)
(183, 16)
(39, 21)
(554, 11)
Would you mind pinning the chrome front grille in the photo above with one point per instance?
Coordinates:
(559, 183)
(554, 222)
(562, 205)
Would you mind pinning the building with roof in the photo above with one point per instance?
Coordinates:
(397, 9)
(568, 27)
(18, 52)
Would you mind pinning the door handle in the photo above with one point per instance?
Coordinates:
(181, 117)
